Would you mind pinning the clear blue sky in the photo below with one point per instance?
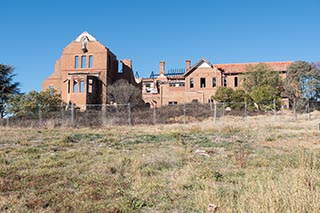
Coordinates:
(34, 32)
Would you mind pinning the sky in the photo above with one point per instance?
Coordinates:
(34, 32)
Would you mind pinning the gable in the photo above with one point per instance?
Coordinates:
(204, 65)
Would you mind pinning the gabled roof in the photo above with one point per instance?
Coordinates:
(240, 68)
(200, 63)
(85, 34)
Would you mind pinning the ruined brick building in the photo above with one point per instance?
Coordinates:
(85, 69)
(197, 83)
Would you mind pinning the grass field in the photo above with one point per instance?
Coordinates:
(258, 165)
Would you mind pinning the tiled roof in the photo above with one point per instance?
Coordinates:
(239, 68)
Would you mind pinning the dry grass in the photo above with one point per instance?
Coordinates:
(260, 164)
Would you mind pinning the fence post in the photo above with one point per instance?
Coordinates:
(223, 111)
(7, 122)
(154, 115)
(104, 114)
(274, 108)
(72, 115)
(184, 112)
(308, 110)
(129, 114)
(294, 109)
(61, 113)
(215, 112)
(40, 114)
(245, 111)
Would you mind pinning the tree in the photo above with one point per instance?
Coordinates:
(122, 92)
(260, 75)
(239, 98)
(264, 97)
(302, 82)
(7, 86)
(223, 94)
(23, 105)
(263, 85)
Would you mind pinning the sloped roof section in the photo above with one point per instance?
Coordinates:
(201, 63)
(240, 68)
(85, 34)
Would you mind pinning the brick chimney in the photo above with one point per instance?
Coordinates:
(127, 62)
(162, 68)
(188, 62)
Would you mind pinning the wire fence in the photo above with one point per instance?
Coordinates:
(94, 116)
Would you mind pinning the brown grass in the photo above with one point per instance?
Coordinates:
(260, 164)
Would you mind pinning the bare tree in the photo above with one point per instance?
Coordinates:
(122, 92)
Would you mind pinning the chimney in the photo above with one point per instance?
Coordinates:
(188, 62)
(162, 68)
(127, 62)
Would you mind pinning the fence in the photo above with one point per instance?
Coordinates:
(124, 114)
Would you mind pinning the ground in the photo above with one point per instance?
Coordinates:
(261, 164)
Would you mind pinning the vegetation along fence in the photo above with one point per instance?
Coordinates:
(124, 114)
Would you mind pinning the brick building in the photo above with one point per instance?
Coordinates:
(85, 69)
(197, 83)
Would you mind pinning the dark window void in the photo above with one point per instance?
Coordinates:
(90, 61)
(83, 61)
(173, 103)
(90, 82)
(202, 82)
(68, 86)
(214, 82)
(191, 83)
(236, 81)
(225, 81)
(76, 62)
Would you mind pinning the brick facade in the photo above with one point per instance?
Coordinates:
(197, 83)
(85, 69)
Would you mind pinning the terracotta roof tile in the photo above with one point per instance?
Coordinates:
(239, 68)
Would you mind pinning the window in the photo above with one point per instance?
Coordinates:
(68, 86)
(224, 81)
(176, 84)
(51, 90)
(202, 82)
(81, 85)
(195, 101)
(173, 103)
(214, 82)
(75, 86)
(90, 86)
(76, 61)
(191, 83)
(83, 61)
(90, 61)
(236, 82)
